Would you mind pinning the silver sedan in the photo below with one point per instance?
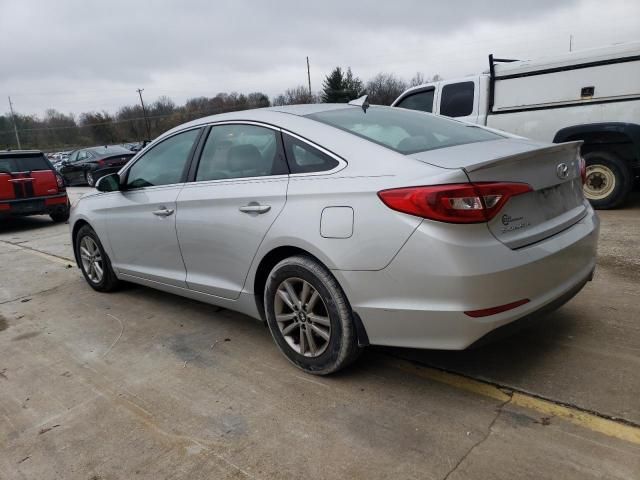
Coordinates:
(346, 225)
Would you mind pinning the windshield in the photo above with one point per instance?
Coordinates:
(23, 163)
(405, 131)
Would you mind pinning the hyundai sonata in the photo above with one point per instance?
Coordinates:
(346, 225)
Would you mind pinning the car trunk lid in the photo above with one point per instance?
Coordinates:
(555, 201)
(114, 161)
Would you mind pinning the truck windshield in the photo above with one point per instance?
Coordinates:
(404, 131)
(23, 163)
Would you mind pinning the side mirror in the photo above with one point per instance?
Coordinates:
(108, 183)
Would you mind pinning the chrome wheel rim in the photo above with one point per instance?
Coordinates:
(90, 179)
(302, 317)
(600, 182)
(91, 258)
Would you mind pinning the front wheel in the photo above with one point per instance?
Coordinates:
(608, 181)
(94, 261)
(309, 316)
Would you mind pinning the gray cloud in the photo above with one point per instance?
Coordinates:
(79, 55)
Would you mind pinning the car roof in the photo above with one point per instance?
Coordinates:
(273, 115)
(9, 153)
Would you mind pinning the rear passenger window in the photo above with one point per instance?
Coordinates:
(240, 151)
(303, 158)
(457, 99)
(422, 101)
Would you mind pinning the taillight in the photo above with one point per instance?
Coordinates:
(453, 203)
(101, 163)
(583, 170)
(60, 183)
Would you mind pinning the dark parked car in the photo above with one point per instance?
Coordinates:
(87, 165)
(29, 185)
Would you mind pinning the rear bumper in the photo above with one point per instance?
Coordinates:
(420, 298)
(34, 206)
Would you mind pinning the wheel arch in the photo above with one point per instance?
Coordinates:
(618, 137)
(276, 255)
(74, 232)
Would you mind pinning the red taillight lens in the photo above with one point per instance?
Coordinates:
(101, 163)
(583, 170)
(60, 182)
(453, 203)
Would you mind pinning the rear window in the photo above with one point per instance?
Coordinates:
(111, 150)
(405, 131)
(23, 163)
(457, 99)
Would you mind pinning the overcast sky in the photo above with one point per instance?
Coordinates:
(84, 55)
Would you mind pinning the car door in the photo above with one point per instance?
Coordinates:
(68, 167)
(239, 188)
(141, 218)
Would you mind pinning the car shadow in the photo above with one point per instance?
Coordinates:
(505, 361)
(21, 224)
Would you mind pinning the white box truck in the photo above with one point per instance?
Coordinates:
(590, 95)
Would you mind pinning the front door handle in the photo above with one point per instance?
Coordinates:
(163, 212)
(255, 208)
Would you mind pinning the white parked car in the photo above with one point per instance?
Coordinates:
(590, 95)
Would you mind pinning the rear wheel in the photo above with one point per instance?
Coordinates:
(61, 216)
(609, 179)
(309, 316)
(94, 261)
(89, 178)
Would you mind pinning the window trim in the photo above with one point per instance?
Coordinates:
(195, 161)
(124, 173)
(413, 93)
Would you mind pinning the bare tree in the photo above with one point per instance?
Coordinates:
(294, 96)
(384, 88)
(418, 79)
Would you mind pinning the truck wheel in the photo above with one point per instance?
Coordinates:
(609, 180)
(61, 216)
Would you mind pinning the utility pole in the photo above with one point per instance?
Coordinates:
(15, 127)
(570, 43)
(309, 77)
(144, 112)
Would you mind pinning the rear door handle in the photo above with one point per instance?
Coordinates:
(163, 212)
(255, 208)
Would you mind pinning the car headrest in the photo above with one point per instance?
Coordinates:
(244, 157)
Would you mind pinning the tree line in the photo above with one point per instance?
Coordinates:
(58, 131)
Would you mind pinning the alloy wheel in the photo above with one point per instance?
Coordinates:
(302, 317)
(91, 258)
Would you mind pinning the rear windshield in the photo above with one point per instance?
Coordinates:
(23, 163)
(111, 150)
(405, 131)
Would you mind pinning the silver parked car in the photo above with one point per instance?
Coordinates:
(346, 225)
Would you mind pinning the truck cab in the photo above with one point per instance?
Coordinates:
(591, 96)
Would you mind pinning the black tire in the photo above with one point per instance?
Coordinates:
(109, 281)
(61, 216)
(89, 178)
(342, 347)
(600, 166)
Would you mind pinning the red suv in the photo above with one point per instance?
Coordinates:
(29, 185)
